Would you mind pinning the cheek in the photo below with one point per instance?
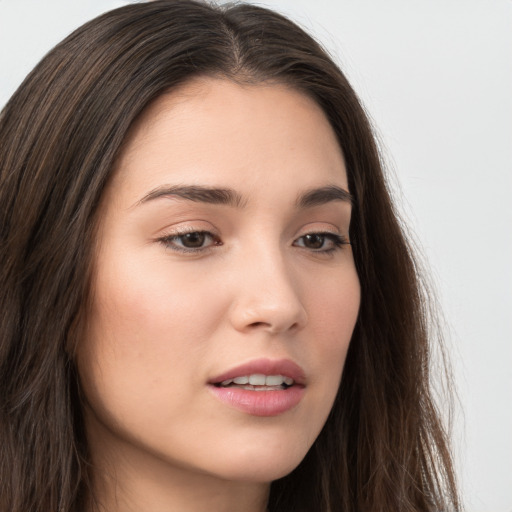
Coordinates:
(333, 308)
(145, 337)
(151, 306)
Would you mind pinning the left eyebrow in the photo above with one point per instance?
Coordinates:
(323, 195)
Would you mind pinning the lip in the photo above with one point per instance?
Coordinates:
(284, 367)
(261, 403)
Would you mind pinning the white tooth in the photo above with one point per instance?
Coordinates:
(241, 380)
(288, 381)
(257, 379)
(274, 380)
(226, 382)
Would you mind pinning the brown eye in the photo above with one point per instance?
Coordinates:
(314, 241)
(321, 242)
(193, 240)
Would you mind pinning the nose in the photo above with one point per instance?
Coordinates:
(267, 297)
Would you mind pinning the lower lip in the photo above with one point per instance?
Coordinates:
(260, 403)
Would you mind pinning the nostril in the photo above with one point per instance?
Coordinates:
(259, 324)
(270, 327)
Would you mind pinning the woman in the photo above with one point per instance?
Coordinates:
(207, 300)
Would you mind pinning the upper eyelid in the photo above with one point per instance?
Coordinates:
(184, 231)
(332, 232)
(205, 225)
(166, 240)
(178, 230)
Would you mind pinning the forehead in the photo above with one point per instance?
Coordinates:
(217, 132)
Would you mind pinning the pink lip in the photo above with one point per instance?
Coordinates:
(283, 367)
(261, 403)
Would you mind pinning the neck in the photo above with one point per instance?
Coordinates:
(138, 492)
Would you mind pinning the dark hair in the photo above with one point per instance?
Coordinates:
(383, 447)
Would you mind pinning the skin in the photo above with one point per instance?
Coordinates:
(164, 322)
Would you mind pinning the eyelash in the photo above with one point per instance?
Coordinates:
(169, 241)
(338, 241)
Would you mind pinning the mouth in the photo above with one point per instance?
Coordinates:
(258, 382)
(262, 373)
(262, 387)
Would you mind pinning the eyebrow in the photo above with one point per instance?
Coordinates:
(229, 197)
(323, 195)
(197, 193)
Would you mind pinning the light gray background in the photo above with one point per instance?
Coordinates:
(436, 76)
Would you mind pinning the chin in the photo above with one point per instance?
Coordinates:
(261, 464)
(261, 473)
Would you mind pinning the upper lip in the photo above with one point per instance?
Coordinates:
(284, 367)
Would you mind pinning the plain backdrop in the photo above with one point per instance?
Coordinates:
(436, 77)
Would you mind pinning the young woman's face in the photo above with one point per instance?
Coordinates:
(225, 292)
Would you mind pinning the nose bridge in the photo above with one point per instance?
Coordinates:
(268, 296)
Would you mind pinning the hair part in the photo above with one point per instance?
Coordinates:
(383, 446)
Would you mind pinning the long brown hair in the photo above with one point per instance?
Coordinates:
(383, 447)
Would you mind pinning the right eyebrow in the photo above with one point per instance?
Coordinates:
(323, 195)
(196, 193)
